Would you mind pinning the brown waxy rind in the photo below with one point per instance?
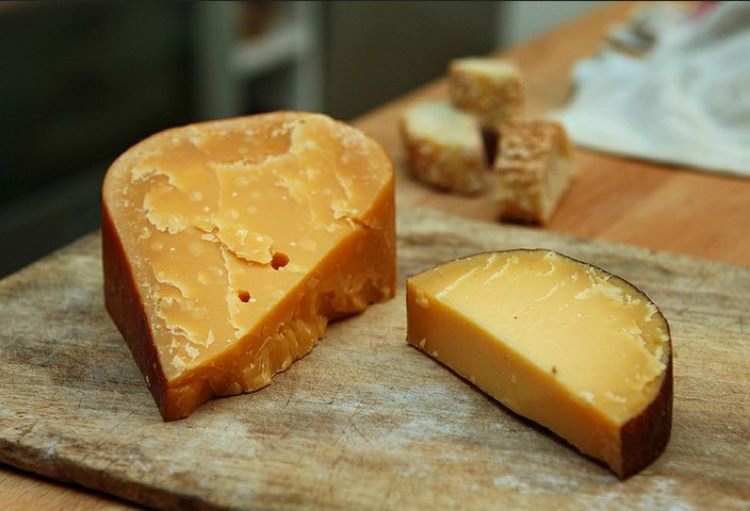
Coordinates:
(124, 304)
(644, 437)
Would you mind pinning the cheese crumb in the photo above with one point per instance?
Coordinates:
(421, 300)
(192, 352)
(242, 235)
(178, 363)
(586, 395)
(614, 397)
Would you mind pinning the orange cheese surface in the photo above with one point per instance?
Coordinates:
(580, 351)
(241, 239)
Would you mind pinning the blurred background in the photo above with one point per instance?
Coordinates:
(80, 82)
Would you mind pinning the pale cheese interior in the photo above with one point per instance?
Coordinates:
(585, 336)
(444, 124)
(494, 69)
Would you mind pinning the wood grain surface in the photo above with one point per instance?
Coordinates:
(364, 421)
(23, 491)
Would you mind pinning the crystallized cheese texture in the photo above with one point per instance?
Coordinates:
(561, 342)
(227, 246)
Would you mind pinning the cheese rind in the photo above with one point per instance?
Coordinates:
(227, 246)
(578, 350)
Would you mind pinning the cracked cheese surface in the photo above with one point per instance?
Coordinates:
(246, 235)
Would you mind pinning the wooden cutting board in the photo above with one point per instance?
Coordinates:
(364, 421)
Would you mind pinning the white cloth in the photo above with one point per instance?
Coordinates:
(686, 102)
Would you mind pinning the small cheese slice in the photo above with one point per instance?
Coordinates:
(575, 349)
(228, 245)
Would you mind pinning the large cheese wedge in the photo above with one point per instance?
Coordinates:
(580, 351)
(227, 247)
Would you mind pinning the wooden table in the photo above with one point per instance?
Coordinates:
(658, 207)
(616, 199)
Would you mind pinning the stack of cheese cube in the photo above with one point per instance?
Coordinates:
(480, 139)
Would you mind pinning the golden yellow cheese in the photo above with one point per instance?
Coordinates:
(577, 350)
(227, 246)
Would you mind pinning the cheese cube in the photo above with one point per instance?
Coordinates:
(490, 89)
(532, 170)
(444, 147)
